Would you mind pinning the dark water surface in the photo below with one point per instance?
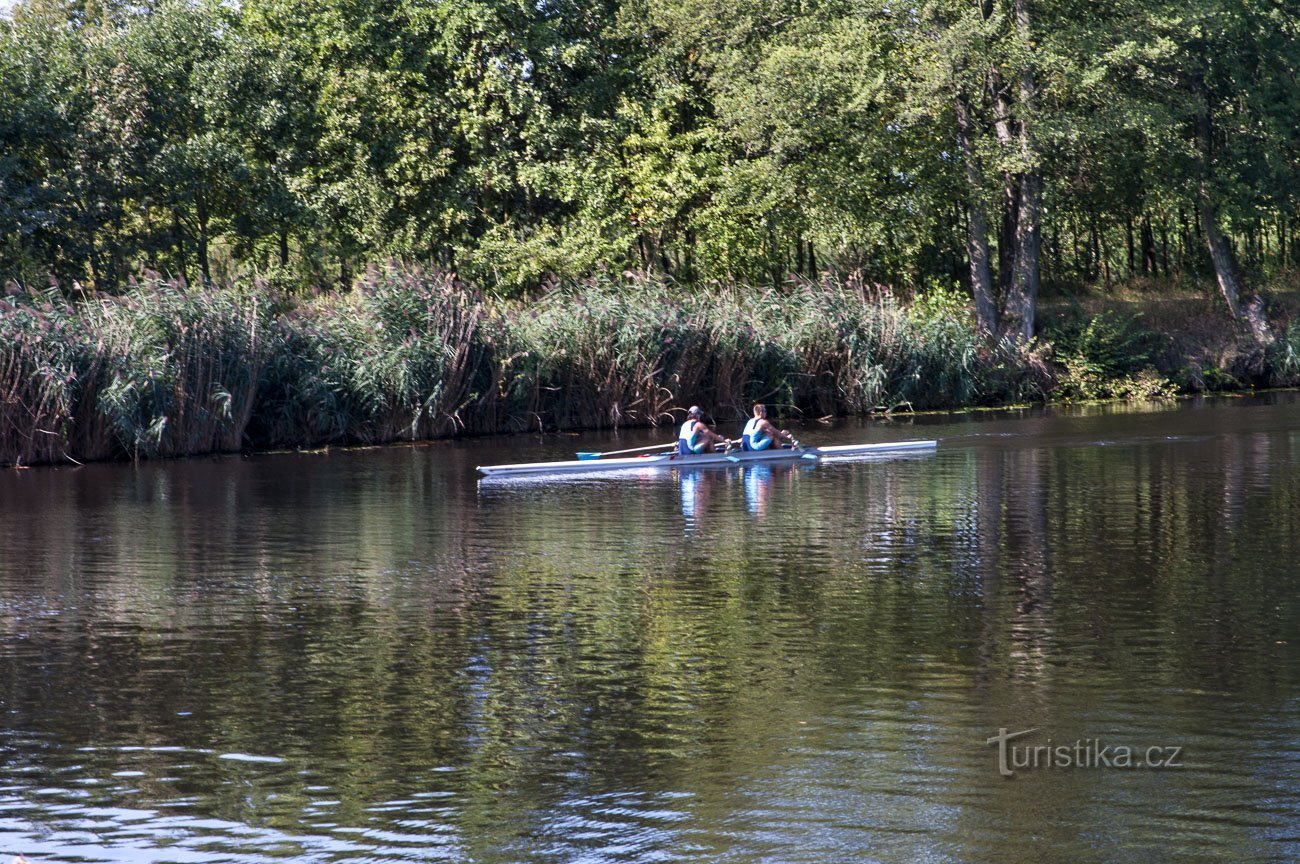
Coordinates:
(370, 655)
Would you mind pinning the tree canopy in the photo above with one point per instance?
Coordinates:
(993, 144)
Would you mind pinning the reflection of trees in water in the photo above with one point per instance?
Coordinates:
(373, 618)
(1026, 562)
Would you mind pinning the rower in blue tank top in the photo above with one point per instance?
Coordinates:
(695, 435)
(760, 434)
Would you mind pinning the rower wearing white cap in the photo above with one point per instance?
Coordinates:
(695, 435)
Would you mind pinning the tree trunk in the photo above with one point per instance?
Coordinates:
(977, 238)
(1256, 317)
(1022, 301)
(1075, 252)
(1225, 266)
(1129, 247)
(94, 265)
(1007, 233)
(1094, 248)
(1005, 128)
(1105, 252)
(1148, 240)
(204, 267)
(180, 243)
(1164, 245)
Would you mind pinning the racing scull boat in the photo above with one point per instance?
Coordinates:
(705, 460)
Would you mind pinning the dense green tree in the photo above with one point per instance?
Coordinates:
(999, 143)
(1216, 84)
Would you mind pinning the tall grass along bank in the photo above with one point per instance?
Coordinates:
(165, 370)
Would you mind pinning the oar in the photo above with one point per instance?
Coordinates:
(794, 442)
(795, 445)
(597, 455)
(728, 456)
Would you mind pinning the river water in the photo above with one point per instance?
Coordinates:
(371, 655)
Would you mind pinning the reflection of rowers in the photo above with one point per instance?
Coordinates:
(697, 488)
(757, 480)
(760, 434)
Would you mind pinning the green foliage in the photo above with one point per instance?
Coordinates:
(518, 143)
(166, 370)
(394, 359)
(38, 377)
(1113, 343)
(161, 371)
(1284, 356)
(1082, 379)
(174, 372)
(1108, 356)
(1218, 380)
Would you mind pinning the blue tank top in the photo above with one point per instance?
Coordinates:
(751, 440)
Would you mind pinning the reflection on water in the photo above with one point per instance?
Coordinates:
(758, 488)
(371, 654)
(700, 486)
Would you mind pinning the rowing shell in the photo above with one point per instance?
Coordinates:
(704, 460)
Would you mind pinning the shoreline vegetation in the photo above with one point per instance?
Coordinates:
(834, 208)
(166, 370)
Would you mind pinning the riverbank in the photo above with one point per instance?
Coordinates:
(167, 371)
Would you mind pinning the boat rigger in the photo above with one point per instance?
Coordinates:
(706, 460)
